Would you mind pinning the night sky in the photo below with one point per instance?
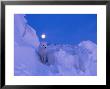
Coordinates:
(64, 28)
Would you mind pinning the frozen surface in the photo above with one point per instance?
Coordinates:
(63, 60)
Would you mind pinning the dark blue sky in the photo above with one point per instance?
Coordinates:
(65, 28)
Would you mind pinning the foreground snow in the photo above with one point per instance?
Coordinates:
(63, 60)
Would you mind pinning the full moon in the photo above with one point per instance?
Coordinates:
(43, 36)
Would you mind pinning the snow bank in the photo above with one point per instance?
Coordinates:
(26, 61)
(77, 60)
(23, 33)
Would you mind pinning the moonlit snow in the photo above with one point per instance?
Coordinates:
(63, 59)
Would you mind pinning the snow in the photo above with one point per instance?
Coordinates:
(63, 59)
(24, 34)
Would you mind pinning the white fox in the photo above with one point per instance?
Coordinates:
(42, 51)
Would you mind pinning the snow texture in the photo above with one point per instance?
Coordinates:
(63, 60)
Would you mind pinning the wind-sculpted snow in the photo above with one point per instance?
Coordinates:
(23, 33)
(75, 60)
(63, 59)
(60, 62)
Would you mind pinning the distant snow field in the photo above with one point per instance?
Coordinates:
(63, 60)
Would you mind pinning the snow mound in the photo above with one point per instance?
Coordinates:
(88, 45)
(23, 33)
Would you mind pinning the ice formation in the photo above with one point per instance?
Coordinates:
(63, 60)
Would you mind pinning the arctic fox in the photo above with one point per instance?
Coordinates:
(42, 51)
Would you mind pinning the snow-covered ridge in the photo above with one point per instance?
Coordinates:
(23, 33)
(63, 60)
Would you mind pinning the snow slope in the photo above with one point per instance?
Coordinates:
(63, 60)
